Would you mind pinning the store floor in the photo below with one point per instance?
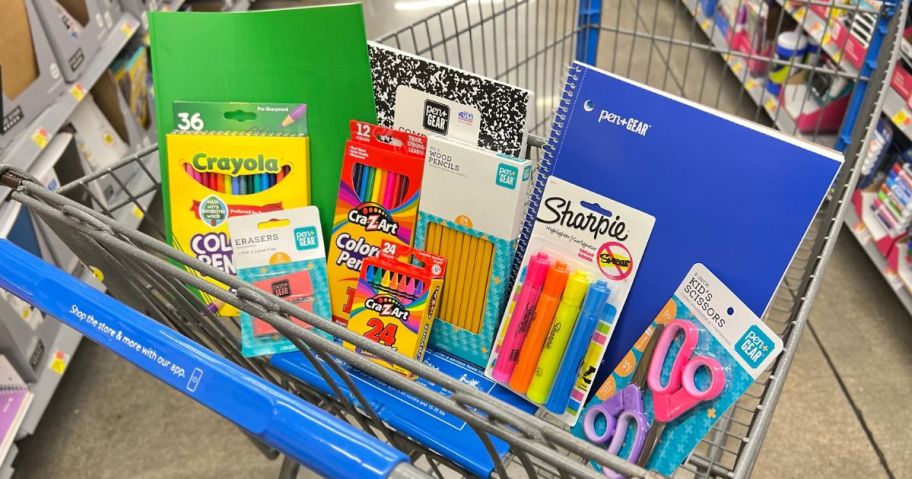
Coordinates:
(843, 413)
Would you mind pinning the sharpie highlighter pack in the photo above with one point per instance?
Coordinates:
(581, 260)
(378, 201)
(702, 352)
(477, 235)
(397, 298)
(227, 160)
(280, 253)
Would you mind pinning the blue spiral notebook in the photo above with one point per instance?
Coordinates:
(732, 195)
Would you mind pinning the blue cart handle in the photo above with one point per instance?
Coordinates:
(313, 437)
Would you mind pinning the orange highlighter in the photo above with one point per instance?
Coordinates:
(555, 281)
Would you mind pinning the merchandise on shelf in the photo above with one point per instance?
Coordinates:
(471, 211)
(29, 73)
(132, 74)
(871, 163)
(378, 201)
(75, 29)
(397, 298)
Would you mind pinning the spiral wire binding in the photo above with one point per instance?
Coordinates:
(546, 164)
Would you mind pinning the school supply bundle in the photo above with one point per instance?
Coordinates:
(397, 298)
(315, 56)
(470, 213)
(699, 355)
(583, 255)
(226, 160)
(378, 201)
(419, 95)
(280, 253)
(648, 150)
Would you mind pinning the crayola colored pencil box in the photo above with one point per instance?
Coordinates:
(396, 300)
(378, 201)
(476, 234)
(703, 338)
(227, 160)
(581, 261)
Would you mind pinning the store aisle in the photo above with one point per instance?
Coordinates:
(838, 415)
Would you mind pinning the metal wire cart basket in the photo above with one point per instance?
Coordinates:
(691, 48)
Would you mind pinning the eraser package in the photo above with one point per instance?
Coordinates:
(398, 294)
(477, 235)
(227, 160)
(378, 201)
(280, 253)
(582, 258)
(702, 352)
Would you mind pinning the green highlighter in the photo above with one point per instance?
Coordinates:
(558, 336)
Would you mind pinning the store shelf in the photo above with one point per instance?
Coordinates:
(896, 283)
(818, 29)
(237, 5)
(753, 86)
(24, 150)
(6, 470)
(58, 357)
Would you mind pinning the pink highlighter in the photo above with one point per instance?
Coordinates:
(521, 319)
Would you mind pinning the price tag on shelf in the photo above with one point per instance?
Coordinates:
(59, 362)
(892, 278)
(138, 213)
(799, 14)
(78, 91)
(127, 28)
(705, 24)
(41, 137)
(902, 118)
(737, 67)
(750, 84)
(861, 232)
(771, 105)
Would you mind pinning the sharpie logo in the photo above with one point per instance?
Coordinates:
(557, 210)
(387, 306)
(372, 217)
(235, 165)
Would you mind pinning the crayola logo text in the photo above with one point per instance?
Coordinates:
(387, 306)
(560, 210)
(234, 166)
(373, 218)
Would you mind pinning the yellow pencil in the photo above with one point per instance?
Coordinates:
(456, 294)
(470, 282)
(379, 177)
(486, 272)
(445, 251)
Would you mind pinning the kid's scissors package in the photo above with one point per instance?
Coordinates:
(704, 349)
(397, 298)
(581, 260)
(281, 253)
(378, 201)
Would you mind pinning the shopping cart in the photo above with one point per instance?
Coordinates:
(164, 329)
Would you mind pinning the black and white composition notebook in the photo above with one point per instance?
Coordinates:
(420, 95)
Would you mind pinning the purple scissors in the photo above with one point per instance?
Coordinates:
(670, 401)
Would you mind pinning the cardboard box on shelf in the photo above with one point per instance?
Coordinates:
(75, 29)
(30, 78)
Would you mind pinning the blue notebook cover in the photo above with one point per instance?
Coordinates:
(431, 426)
(732, 195)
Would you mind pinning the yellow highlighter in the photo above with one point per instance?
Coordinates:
(558, 336)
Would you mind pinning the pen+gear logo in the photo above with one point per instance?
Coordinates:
(436, 117)
(614, 260)
(373, 217)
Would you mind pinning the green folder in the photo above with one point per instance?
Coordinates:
(314, 55)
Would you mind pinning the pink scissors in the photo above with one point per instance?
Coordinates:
(669, 401)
